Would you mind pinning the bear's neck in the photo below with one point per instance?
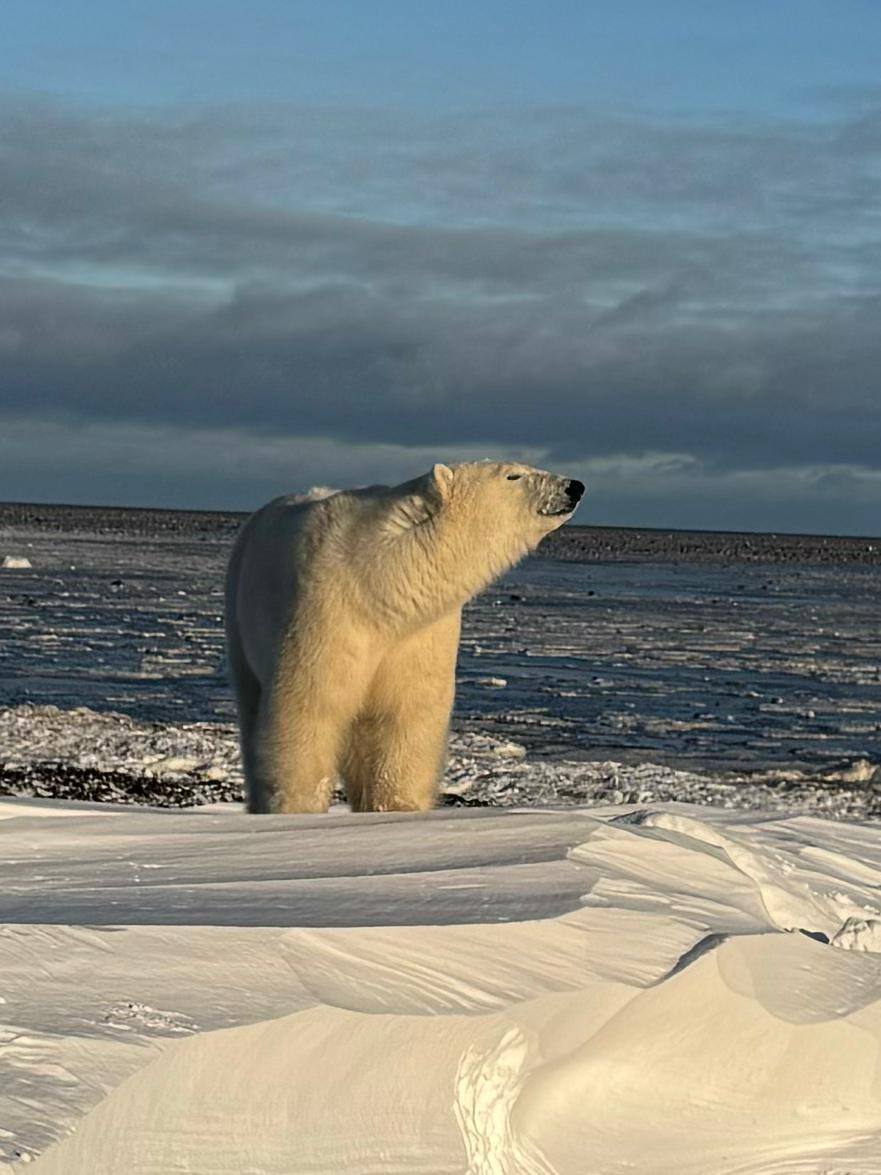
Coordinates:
(444, 562)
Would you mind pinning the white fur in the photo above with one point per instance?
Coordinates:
(342, 619)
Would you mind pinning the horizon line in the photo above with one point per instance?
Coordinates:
(795, 534)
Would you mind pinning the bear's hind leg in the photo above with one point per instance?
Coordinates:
(247, 692)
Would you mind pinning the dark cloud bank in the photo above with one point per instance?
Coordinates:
(205, 308)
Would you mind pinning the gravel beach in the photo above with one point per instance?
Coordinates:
(576, 544)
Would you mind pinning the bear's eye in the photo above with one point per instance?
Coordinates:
(514, 476)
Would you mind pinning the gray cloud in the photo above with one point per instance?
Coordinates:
(585, 286)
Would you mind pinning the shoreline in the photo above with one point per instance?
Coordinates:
(95, 756)
(571, 544)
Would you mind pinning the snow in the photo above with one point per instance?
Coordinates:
(83, 753)
(658, 989)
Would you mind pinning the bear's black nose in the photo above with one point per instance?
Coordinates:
(575, 489)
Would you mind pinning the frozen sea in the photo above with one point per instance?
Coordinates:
(734, 671)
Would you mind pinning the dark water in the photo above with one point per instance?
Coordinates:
(746, 665)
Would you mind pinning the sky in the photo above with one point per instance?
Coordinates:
(246, 249)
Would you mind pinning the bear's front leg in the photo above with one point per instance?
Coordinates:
(398, 747)
(300, 728)
(412, 758)
(295, 758)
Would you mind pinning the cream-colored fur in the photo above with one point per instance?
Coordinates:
(342, 619)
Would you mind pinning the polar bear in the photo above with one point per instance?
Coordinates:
(342, 622)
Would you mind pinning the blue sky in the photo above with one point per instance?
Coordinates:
(249, 248)
(687, 56)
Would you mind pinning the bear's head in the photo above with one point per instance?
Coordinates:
(506, 497)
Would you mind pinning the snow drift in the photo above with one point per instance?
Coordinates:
(657, 990)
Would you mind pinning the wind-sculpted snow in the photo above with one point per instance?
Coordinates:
(666, 990)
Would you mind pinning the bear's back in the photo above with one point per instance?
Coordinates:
(284, 550)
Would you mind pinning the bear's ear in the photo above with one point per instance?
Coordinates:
(443, 478)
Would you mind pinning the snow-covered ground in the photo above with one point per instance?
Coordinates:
(656, 989)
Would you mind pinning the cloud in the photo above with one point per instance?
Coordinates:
(586, 286)
(217, 468)
(200, 468)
